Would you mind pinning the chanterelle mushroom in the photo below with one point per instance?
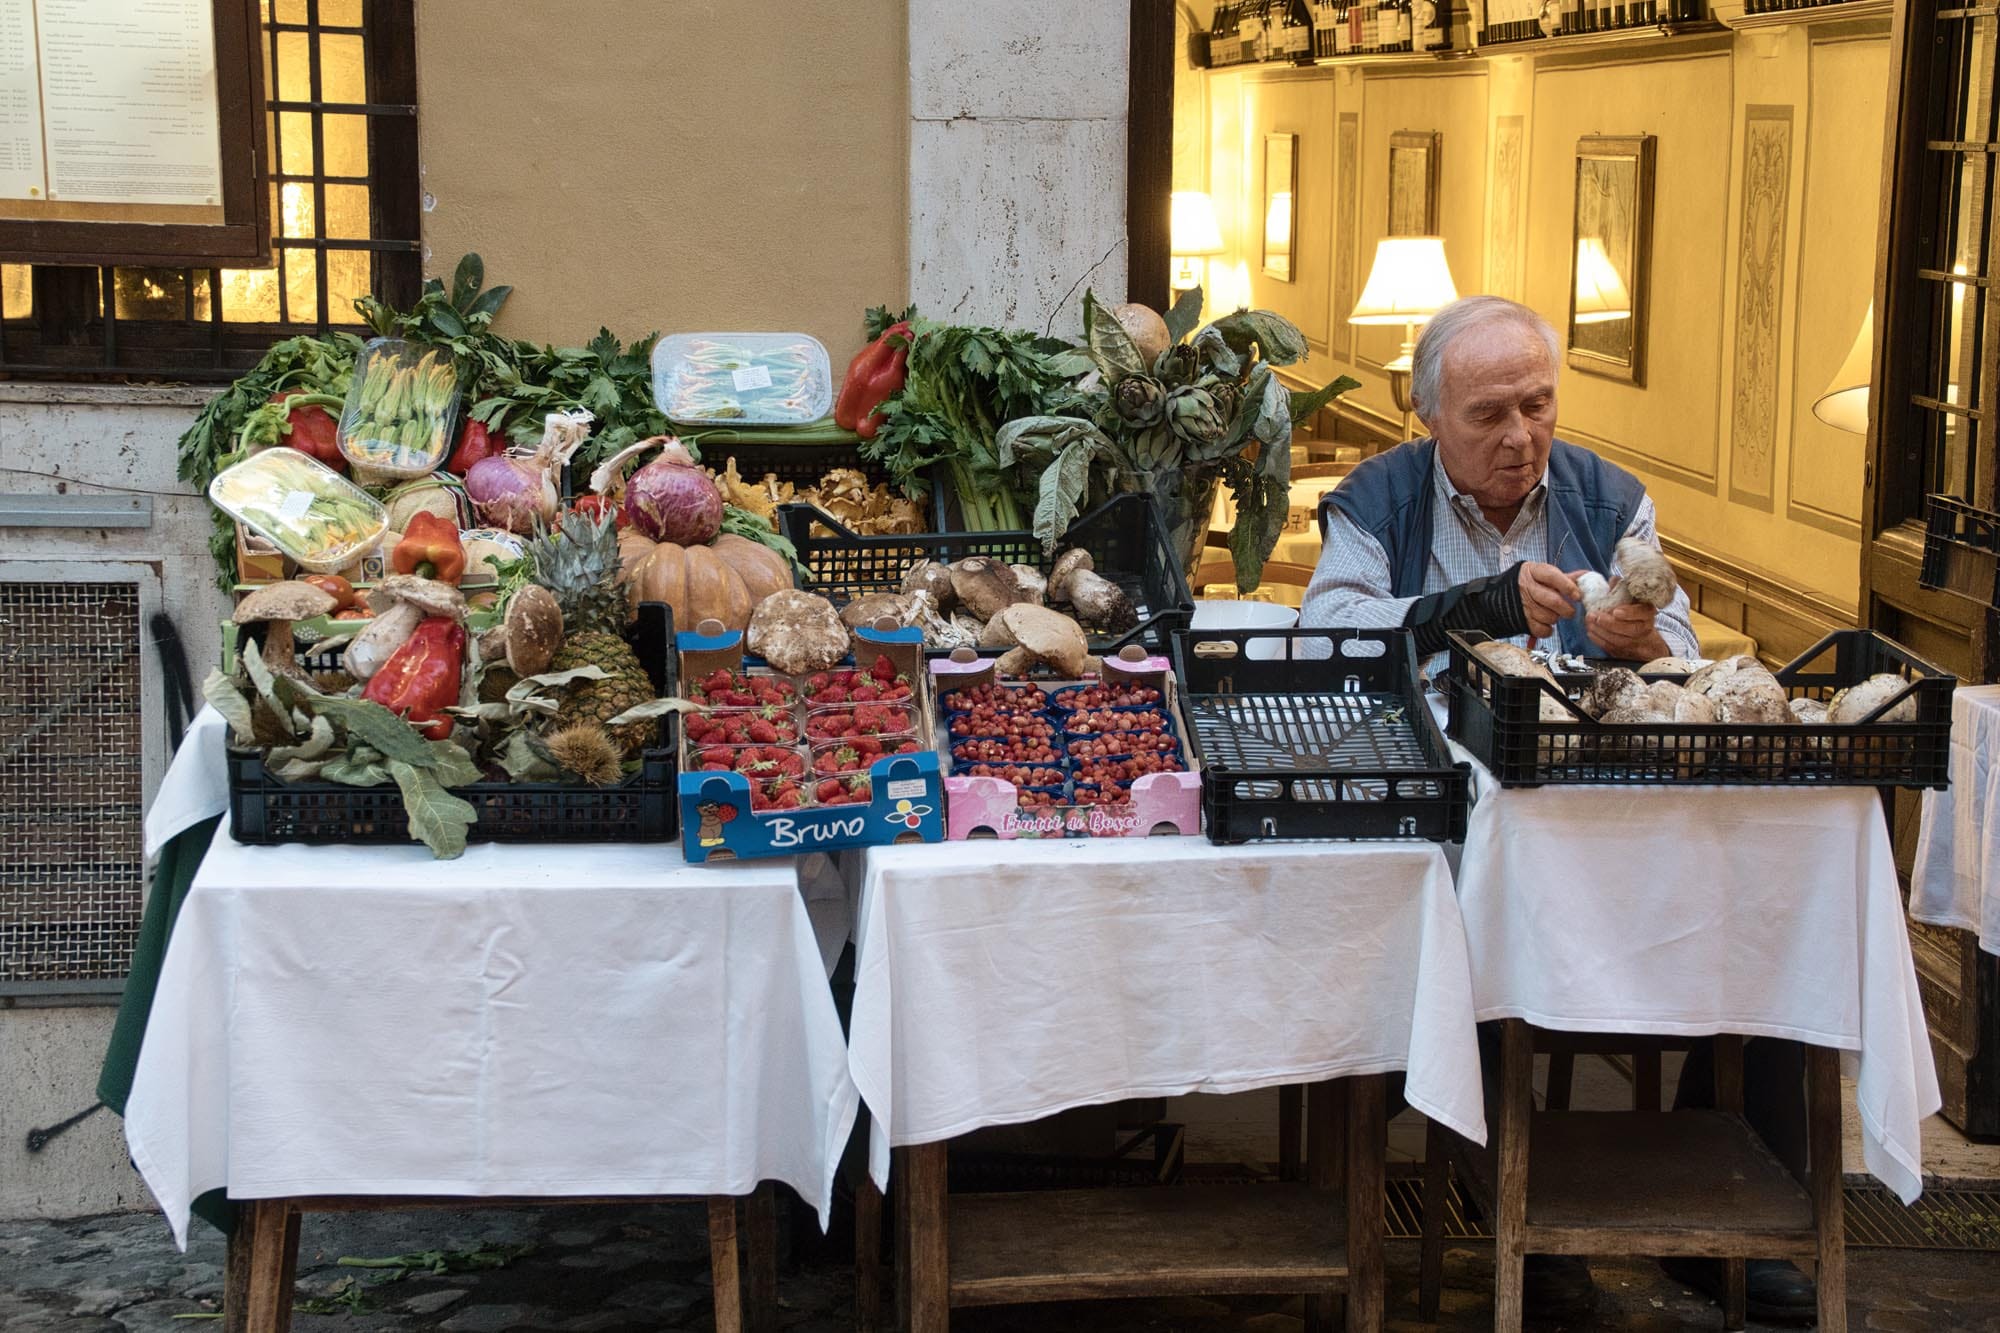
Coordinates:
(276, 606)
(1097, 599)
(1046, 638)
(400, 602)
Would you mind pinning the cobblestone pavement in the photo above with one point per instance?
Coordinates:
(644, 1267)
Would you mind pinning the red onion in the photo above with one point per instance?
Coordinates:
(511, 493)
(672, 501)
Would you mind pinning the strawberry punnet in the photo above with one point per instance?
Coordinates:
(1000, 698)
(1090, 721)
(854, 754)
(863, 719)
(880, 683)
(769, 725)
(723, 688)
(1112, 744)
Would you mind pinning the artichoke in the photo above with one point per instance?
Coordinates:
(1194, 416)
(1140, 401)
(1178, 365)
(1227, 398)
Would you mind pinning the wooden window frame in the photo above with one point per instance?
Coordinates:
(242, 239)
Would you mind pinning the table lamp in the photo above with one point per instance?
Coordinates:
(1192, 236)
(1409, 283)
(1601, 294)
(1843, 404)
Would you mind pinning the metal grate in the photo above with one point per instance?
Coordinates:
(71, 776)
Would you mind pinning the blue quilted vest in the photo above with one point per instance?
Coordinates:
(1590, 505)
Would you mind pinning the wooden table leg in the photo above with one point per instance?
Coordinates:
(1517, 1060)
(1823, 1148)
(1728, 1063)
(1367, 1144)
(1326, 1145)
(1437, 1184)
(724, 1264)
(262, 1263)
(1291, 1098)
(760, 1260)
(867, 1255)
(923, 1249)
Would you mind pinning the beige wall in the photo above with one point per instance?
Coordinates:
(673, 166)
(1702, 459)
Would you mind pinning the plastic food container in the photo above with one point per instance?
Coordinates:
(742, 379)
(318, 518)
(398, 417)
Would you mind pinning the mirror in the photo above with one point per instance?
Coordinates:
(1281, 218)
(1611, 255)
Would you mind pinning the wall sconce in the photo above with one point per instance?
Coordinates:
(1192, 236)
(1409, 283)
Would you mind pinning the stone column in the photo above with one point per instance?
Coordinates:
(1017, 159)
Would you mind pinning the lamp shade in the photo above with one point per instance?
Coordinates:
(1278, 222)
(1410, 282)
(1192, 227)
(1844, 403)
(1601, 294)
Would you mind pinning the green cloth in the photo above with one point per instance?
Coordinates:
(172, 877)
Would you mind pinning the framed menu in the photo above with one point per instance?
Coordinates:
(132, 132)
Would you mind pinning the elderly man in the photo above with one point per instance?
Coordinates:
(1485, 526)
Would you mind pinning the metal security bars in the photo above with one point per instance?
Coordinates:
(346, 214)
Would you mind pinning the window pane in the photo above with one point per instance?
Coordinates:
(294, 67)
(342, 77)
(346, 140)
(202, 279)
(347, 212)
(295, 210)
(349, 273)
(290, 11)
(17, 290)
(150, 293)
(340, 13)
(295, 137)
(250, 295)
(301, 286)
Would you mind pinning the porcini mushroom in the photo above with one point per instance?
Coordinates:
(1075, 580)
(276, 606)
(400, 603)
(1647, 578)
(534, 630)
(797, 632)
(1044, 638)
(983, 585)
(1034, 584)
(931, 577)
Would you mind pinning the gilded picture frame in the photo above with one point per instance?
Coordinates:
(1611, 256)
(1280, 213)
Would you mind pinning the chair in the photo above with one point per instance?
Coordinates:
(1308, 471)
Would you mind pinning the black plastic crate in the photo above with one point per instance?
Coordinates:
(643, 808)
(1320, 733)
(1962, 551)
(1125, 536)
(1498, 718)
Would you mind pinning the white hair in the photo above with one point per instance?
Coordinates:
(1462, 316)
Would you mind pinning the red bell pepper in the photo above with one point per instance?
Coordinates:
(475, 441)
(594, 507)
(421, 679)
(430, 549)
(876, 371)
(310, 428)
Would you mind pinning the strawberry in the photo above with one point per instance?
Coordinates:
(884, 670)
(880, 683)
(856, 753)
(742, 689)
(852, 790)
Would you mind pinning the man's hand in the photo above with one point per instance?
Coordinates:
(1547, 595)
(1627, 631)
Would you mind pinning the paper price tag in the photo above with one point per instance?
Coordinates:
(906, 789)
(751, 377)
(294, 506)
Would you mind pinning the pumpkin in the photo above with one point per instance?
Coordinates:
(723, 580)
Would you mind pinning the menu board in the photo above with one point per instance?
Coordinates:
(109, 102)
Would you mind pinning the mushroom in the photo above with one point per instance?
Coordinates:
(1097, 599)
(400, 602)
(1673, 666)
(1809, 711)
(1855, 703)
(275, 606)
(983, 585)
(905, 608)
(534, 630)
(1034, 584)
(1512, 660)
(1045, 638)
(797, 632)
(931, 577)
(1613, 688)
(1647, 578)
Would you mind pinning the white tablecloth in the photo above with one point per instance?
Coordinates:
(999, 983)
(1958, 851)
(197, 783)
(1695, 910)
(525, 1020)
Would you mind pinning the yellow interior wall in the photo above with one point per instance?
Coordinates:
(1674, 430)
(671, 167)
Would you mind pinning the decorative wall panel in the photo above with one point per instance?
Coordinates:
(1760, 279)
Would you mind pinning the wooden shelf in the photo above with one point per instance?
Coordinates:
(1047, 1245)
(1664, 34)
(1846, 11)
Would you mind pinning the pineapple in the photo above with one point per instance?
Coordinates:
(577, 561)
